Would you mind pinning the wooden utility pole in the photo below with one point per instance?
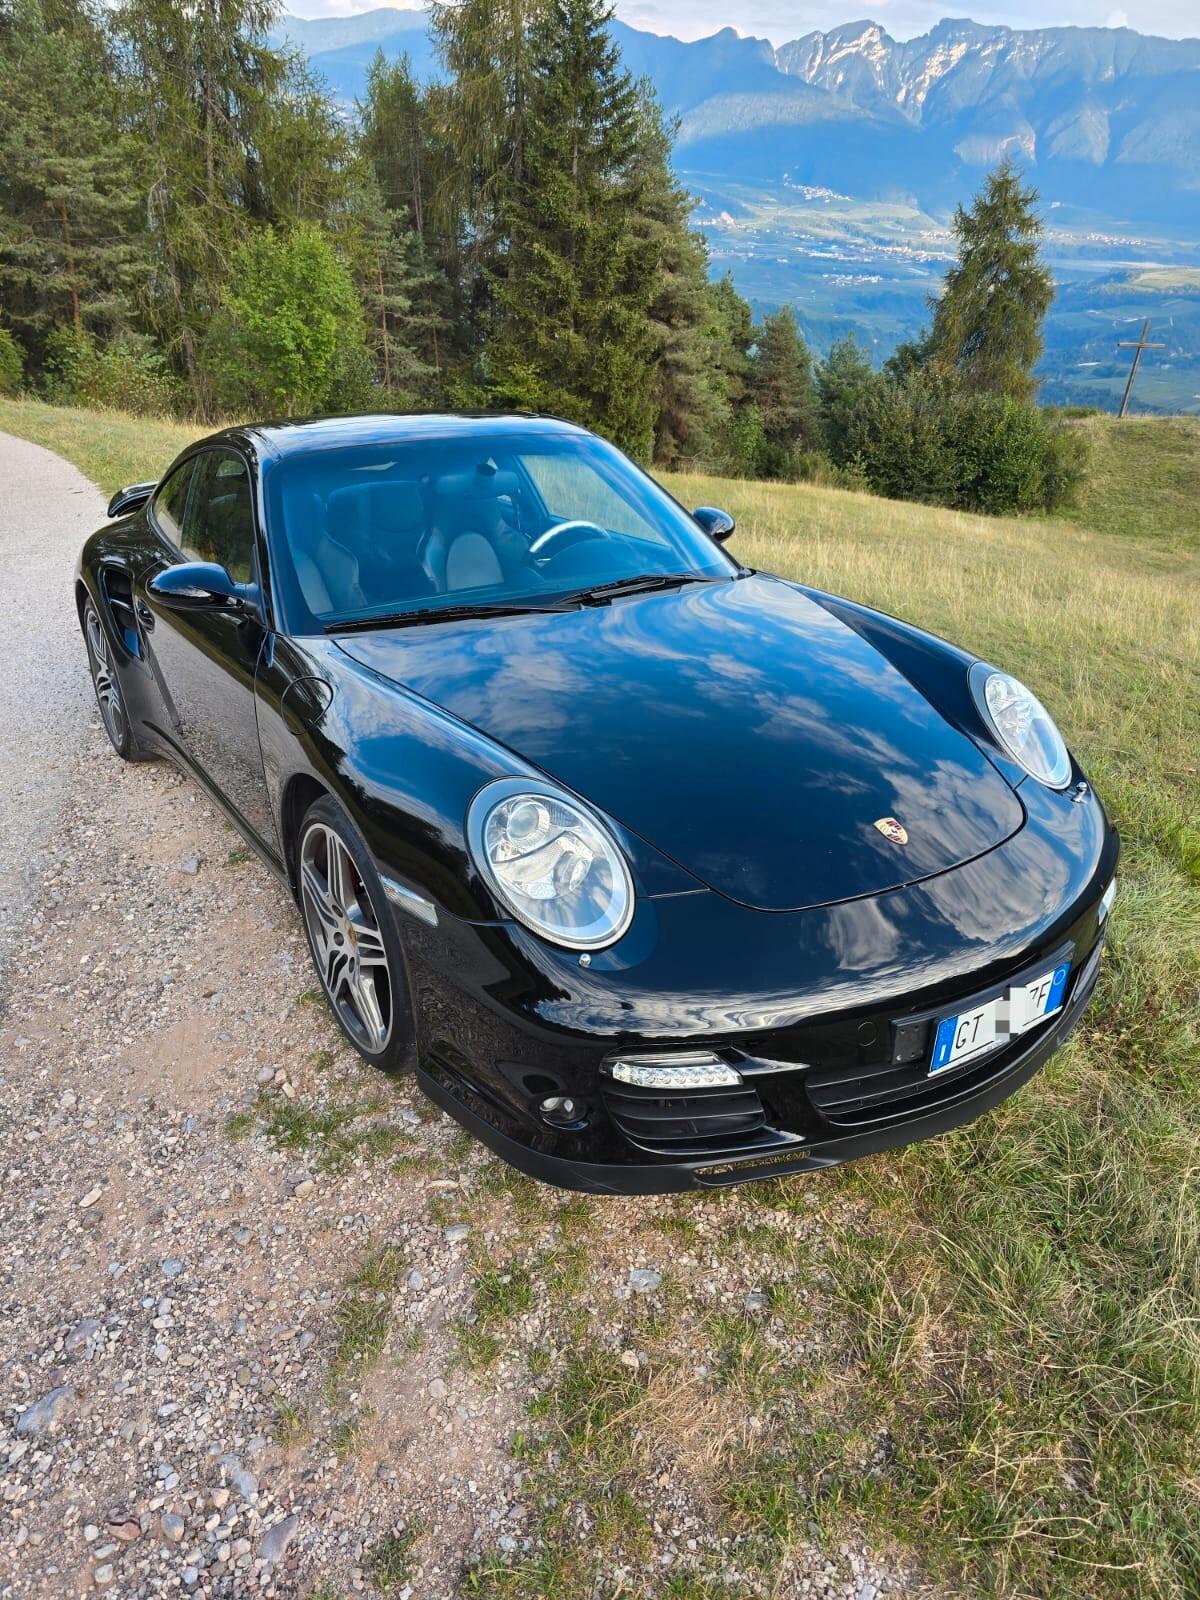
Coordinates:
(1137, 346)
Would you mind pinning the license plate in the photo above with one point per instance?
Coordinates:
(993, 1024)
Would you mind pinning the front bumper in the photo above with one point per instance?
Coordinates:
(825, 1013)
(959, 1098)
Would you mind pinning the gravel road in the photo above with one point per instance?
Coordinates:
(47, 509)
(269, 1322)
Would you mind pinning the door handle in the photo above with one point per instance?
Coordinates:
(145, 616)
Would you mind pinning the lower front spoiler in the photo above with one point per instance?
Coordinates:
(669, 1177)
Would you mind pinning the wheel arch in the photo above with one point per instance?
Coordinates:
(300, 792)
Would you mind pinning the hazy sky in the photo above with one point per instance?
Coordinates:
(780, 20)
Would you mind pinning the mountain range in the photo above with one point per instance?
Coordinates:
(826, 169)
(1109, 117)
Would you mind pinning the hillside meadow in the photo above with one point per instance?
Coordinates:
(1007, 1382)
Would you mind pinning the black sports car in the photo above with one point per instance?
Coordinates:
(658, 871)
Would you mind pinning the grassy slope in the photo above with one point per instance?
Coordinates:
(1016, 1392)
(1144, 480)
(110, 448)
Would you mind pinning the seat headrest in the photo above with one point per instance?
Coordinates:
(397, 508)
(348, 513)
(484, 482)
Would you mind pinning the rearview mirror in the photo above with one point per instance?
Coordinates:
(197, 586)
(717, 525)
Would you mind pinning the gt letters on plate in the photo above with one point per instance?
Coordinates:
(991, 1025)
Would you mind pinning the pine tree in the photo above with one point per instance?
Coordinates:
(735, 338)
(987, 326)
(482, 114)
(844, 378)
(409, 284)
(71, 241)
(693, 415)
(201, 80)
(782, 387)
(398, 290)
(572, 289)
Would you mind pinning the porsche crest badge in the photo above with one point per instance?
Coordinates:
(893, 830)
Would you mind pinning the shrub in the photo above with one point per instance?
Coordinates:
(925, 438)
(127, 374)
(898, 432)
(747, 444)
(11, 364)
(814, 466)
(999, 449)
(289, 333)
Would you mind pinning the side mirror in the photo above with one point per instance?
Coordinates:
(130, 498)
(717, 525)
(197, 586)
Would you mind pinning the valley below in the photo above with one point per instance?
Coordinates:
(868, 267)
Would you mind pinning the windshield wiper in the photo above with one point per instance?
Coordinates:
(644, 584)
(405, 619)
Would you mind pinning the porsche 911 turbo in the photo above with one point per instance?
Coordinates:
(659, 872)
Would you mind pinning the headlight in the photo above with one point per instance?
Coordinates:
(552, 864)
(1022, 724)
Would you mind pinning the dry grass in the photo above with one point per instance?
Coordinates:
(109, 447)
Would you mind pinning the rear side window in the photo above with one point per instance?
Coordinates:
(170, 501)
(219, 525)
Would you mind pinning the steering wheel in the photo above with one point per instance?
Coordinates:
(575, 530)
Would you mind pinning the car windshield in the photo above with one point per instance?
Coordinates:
(505, 520)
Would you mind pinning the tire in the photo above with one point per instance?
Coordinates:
(107, 684)
(352, 938)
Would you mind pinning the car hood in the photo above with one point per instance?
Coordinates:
(738, 727)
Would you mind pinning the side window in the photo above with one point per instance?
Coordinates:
(220, 519)
(170, 500)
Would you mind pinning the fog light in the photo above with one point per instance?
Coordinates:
(561, 1111)
(698, 1069)
(1106, 904)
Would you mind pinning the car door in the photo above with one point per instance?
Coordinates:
(207, 658)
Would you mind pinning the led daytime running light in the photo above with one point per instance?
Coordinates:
(700, 1071)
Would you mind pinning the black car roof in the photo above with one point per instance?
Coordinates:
(271, 440)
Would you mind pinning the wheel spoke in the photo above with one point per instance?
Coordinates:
(366, 1002)
(340, 876)
(368, 943)
(317, 892)
(104, 679)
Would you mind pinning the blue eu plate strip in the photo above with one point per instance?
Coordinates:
(944, 1043)
(1055, 998)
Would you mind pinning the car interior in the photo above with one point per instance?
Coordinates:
(394, 541)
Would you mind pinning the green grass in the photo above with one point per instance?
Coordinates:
(335, 1134)
(363, 1315)
(389, 1562)
(990, 1352)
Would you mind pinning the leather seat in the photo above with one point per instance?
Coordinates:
(328, 573)
(471, 532)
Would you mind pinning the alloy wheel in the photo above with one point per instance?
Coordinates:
(346, 938)
(104, 677)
